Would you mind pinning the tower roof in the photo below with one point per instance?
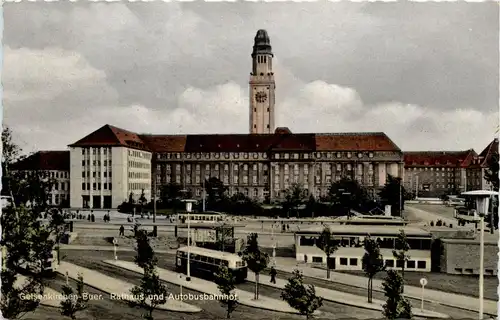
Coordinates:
(262, 43)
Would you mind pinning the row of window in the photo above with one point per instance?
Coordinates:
(61, 186)
(58, 198)
(139, 154)
(138, 186)
(97, 163)
(96, 151)
(326, 155)
(97, 186)
(96, 174)
(136, 164)
(256, 155)
(215, 167)
(138, 175)
(410, 264)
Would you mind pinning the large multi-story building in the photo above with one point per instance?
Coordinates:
(53, 165)
(109, 164)
(476, 172)
(435, 173)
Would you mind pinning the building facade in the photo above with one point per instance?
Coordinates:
(477, 169)
(435, 173)
(53, 165)
(111, 163)
(107, 166)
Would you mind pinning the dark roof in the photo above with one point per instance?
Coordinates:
(250, 142)
(485, 156)
(111, 136)
(164, 143)
(366, 141)
(282, 140)
(44, 160)
(438, 158)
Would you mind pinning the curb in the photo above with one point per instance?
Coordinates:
(248, 303)
(198, 309)
(380, 291)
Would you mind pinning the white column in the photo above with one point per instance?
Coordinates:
(481, 268)
(101, 171)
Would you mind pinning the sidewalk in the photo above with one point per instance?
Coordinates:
(343, 297)
(108, 248)
(439, 297)
(117, 289)
(50, 298)
(210, 288)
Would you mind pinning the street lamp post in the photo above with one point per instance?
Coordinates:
(274, 244)
(189, 207)
(482, 198)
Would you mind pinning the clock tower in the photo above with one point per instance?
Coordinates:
(262, 86)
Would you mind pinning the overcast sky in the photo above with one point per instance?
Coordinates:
(424, 73)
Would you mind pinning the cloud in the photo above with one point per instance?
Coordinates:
(426, 74)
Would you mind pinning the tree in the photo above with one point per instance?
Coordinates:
(392, 194)
(311, 205)
(348, 194)
(151, 292)
(226, 281)
(169, 192)
(329, 246)
(26, 246)
(396, 306)
(255, 258)
(301, 297)
(400, 252)
(294, 197)
(26, 243)
(372, 263)
(73, 302)
(10, 154)
(215, 192)
(491, 175)
(57, 226)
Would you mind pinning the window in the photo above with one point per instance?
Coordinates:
(268, 126)
(110, 186)
(83, 186)
(83, 174)
(317, 259)
(83, 152)
(353, 261)
(399, 264)
(410, 264)
(343, 261)
(94, 186)
(349, 154)
(83, 163)
(389, 263)
(421, 264)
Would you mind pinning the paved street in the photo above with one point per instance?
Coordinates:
(93, 260)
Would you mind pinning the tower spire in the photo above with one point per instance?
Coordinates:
(262, 85)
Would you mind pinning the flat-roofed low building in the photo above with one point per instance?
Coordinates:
(461, 256)
(350, 251)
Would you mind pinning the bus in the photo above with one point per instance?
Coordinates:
(206, 262)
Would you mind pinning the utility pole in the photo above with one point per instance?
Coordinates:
(154, 194)
(416, 188)
(203, 186)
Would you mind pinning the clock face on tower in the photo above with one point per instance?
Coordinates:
(261, 96)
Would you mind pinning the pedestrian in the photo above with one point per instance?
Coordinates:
(122, 230)
(273, 273)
